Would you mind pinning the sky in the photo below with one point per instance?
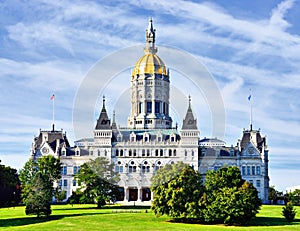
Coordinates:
(51, 47)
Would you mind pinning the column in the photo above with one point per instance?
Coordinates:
(125, 194)
(139, 194)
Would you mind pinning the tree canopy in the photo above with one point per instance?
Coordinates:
(176, 190)
(98, 181)
(9, 186)
(37, 178)
(223, 198)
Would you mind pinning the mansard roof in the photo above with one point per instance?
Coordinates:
(52, 136)
(247, 138)
(153, 134)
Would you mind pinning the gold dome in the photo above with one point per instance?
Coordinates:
(149, 64)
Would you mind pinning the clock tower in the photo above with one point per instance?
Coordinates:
(150, 89)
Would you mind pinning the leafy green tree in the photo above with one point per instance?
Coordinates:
(228, 198)
(294, 197)
(60, 195)
(98, 181)
(37, 178)
(177, 189)
(9, 186)
(289, 212)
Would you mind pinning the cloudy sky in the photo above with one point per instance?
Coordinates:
(52, 46)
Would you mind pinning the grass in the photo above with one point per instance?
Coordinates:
(87, 217)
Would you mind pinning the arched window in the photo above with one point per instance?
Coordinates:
(170, 152)
(145, 167)
(132, 167)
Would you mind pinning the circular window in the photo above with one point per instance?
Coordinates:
(132, 162)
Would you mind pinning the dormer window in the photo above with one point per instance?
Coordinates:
(132, 137)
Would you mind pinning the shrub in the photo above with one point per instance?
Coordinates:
(289, 212)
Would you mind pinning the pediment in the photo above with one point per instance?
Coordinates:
(250, 150)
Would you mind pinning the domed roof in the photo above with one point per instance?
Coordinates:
(149, 64)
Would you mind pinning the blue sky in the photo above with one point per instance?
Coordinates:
(48, 46)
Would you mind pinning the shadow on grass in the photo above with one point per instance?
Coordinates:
(106, 207)
(271, 221)
(34, 220)
(258, 221)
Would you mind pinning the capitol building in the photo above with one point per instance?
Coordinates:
(150, 140)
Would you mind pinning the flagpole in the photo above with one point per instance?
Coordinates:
(250, 110)
(53, 118)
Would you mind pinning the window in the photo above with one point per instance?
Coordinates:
(251, 181)
(174, 152)
(157, 107)
(156, 152)
(172, 139)
(60, 183)
(170, 152)
(258, 183)
(140, 107)
(149, 107)
(98, 152)
(119, 169)
(64, 170)
(75, 170)
(63, 152)
(121, 152)
(74, 182)
(65, 182)
(132, 169)
(134, 152)
(185, 153)
(117, 152)
(258, 170)
(248, 170)
(130, 152)
(243, 170)
(253, 170)
(148, 152)
(77, 153)
(92, 153)
(143, 152)
(161, 152)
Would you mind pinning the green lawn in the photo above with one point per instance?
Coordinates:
(87, 217)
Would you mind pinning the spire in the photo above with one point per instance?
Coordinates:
(150, 39)
(114, 125)
(189, 122)
(103, 121)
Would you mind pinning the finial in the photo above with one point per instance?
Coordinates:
(190, 101)
(103, 103)
(114, 116)
(150, 39)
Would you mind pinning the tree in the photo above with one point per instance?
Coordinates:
(99, 181)
(289, 212)
(9, 186)
(177, 189)
(37, 178)
(228, 198)
(60, 195)
(294, 197)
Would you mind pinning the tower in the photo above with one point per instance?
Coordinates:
(150, 89)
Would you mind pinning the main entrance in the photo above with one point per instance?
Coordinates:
(133, 194)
